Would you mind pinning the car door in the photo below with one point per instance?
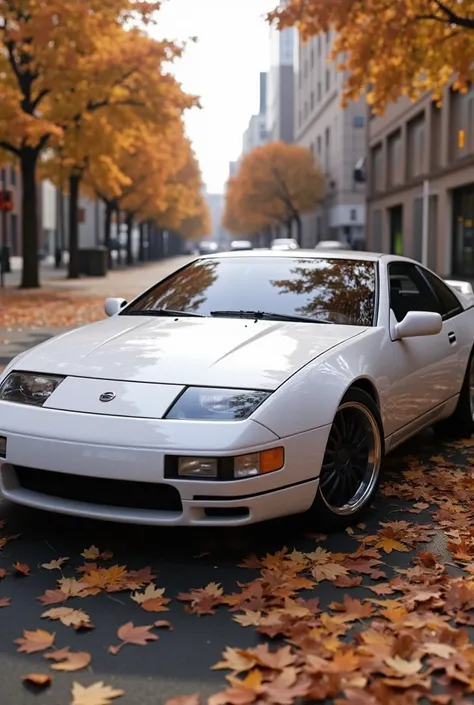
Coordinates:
(424, 364)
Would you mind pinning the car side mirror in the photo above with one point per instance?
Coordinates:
(113, 306)
(417, 324)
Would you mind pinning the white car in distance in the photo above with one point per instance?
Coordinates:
(242, 387)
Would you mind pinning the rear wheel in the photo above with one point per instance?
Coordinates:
(461, 423)
(350, 474)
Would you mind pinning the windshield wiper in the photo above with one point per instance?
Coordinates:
(163, 312)
(266, 315)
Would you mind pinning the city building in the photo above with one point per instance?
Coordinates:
(280, 86)
(336, 138)
(216, 205)
(233, 169)
(256, 133)
(415, 143)
(11, 223)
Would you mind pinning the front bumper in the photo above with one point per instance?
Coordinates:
(112, 468)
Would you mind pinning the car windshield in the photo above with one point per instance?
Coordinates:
(336, 290)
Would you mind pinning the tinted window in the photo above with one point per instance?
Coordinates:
(450, 305)
(409, 291)
(339, 290)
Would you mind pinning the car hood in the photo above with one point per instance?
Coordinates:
(215, 352)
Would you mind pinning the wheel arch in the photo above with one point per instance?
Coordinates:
(366, 385)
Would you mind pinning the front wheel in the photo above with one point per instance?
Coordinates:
(350, 473)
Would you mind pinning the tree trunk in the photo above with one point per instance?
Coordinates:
(74, 181)
(141, 247)
(289, 226)
(29, 212)
(129, 223)
(299, 229)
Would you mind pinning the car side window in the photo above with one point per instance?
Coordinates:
(450, 305)
(409, 291)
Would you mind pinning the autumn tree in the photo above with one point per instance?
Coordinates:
(276, 183)
(45, 47)
(397, 48)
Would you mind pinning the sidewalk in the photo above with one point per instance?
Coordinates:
(28, 317)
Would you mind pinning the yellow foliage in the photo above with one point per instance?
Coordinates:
(406, 47)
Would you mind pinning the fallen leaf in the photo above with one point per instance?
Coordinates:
(54, 564)
(91, 553)
(30, 642)
(163, 624)
(5, 601)
(21, 568)
(69, 660)
(403, 667)
(328, 571)
(389, 544)
(249, 618)
(95, 694)
(237, 660)
(129, 634)
(52, 597)
(69, 617)
(3, 573)
(39, 679)
(193, 699)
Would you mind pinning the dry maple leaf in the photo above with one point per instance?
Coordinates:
(389, 544)
(69, 617)
(52, 597)
(151, 599)
(129, 634)
(249, 618)
(68, 660)
(30, 642)
(402, 667)
(237, 660)
(40, 679)
(95, 694)
(276, 660)
(5, 601)
(352, 609)
(110, 579)
(328, 571)
(21, 568)
(3, 573)
(91, 553)
(193, 699)
(287, 688)
(55, 564)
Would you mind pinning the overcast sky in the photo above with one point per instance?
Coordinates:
(223, 68)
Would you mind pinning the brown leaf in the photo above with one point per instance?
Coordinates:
(109, 579)
(402, 667)
(39, 679)
(95, 694)
(3, 573)
(389, 544)
(91, 553)
(5, 601)
(30, 642)
(129, 634)
(52, 597)
(162, 623)
(352, 609)
(237, 660)
(249, 618)
(54, 564)
(69, 617)
(328, 571)
(69, 660)
(21, 568)
(276, 660)
(193, 699)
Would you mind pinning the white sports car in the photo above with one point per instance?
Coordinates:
(242, 387)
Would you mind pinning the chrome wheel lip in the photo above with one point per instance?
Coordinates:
(375, 460)
(471, 387)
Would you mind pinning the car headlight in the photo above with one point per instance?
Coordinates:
(28, 388)
(201, 403)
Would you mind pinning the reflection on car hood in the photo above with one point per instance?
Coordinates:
(192, 351)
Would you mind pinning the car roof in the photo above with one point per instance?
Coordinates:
(313, 254)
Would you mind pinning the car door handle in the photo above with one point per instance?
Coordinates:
(451, 338)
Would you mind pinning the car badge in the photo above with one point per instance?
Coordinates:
(107, 396)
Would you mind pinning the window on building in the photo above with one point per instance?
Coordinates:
(328, 79)
(376, 168)
(312, 149)
(376, 244)
(319, 91)
(395, 159)
(12, 175)
(305, 109)
(312, 57)
(312, 100)
(353, 215)
(300, 118)
(416, 146)
(306, 68)
(327, 140)
(318, 145)
(319, 45)
(470, 122)
(436, 128)
(358, 121)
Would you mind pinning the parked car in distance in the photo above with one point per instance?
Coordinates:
(284, 243)
(241, 245)
(332, 245)
(207, 247)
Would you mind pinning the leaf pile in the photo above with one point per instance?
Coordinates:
(51, 308)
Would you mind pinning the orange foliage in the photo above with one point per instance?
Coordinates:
(398, 48)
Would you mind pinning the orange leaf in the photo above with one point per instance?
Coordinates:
(5, 601)
(39, 679)
(30, 642)
(69, 660)
(21, 568)
(129, 634)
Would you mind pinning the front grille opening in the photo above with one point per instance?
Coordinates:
(127, 494)
(226, 512)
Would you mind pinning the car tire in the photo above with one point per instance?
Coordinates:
(351, 470)
(461, 423)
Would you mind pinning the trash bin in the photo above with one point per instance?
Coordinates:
(93, 261)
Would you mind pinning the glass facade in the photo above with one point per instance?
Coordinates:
(463, 232)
